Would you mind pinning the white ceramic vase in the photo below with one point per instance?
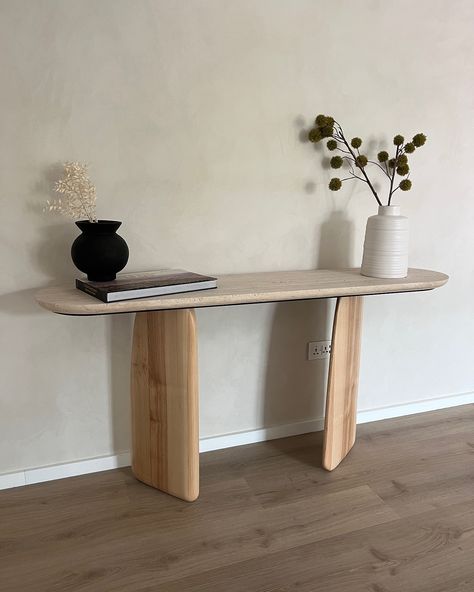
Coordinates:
(386, 244)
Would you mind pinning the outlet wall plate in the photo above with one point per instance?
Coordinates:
(319, 350)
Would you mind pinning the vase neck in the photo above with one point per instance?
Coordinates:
(389, 210)
(99, 227)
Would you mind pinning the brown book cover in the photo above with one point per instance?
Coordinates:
(146, 284)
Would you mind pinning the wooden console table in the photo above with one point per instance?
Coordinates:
(164, 373)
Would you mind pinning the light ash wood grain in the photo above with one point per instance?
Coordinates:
(343, 381)
(164, 392)
(247, 288)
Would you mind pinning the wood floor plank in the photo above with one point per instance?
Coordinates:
(212, 539)
(431, 475)
(397, 516)
(419, 492)
(417, 554)
(288, 469)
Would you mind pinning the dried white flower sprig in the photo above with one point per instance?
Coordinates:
(78, 193)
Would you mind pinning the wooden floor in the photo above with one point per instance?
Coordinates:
(396, 516)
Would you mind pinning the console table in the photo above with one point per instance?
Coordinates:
(164, 371)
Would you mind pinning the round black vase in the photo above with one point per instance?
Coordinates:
(99, 251)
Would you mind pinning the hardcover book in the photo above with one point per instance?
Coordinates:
(146, 284)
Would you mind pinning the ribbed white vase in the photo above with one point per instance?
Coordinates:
(386, 244)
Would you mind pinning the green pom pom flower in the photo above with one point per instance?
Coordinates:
(326, 131)
(361, 161)
(322, 120)
(314, 135)
(403, 159)
(335, 184)
(405, 185)
(403, 169)
(332, 144)
(382, 156)
(336, 162)
(409, 147)
(356, 142)
(398, 140)
(391, 163)
(419, 140)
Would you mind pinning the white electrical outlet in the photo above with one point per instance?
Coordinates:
(318, 350)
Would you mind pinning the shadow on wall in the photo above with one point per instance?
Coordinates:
(289, 375)
(119, 329)
(50, 254)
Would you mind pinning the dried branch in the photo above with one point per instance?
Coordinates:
(78, 191)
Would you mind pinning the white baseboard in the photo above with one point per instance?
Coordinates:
(71, 469)
(315, 425)
(104, 463)
(414, 407)
(260, 435)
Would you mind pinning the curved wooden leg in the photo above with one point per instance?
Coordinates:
(164, 391)
(341, 398)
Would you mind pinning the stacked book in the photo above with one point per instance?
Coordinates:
(146, 284)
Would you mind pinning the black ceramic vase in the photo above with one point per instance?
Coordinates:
(99, 251)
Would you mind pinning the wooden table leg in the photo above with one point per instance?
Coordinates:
(164, 391)
(341, 398)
